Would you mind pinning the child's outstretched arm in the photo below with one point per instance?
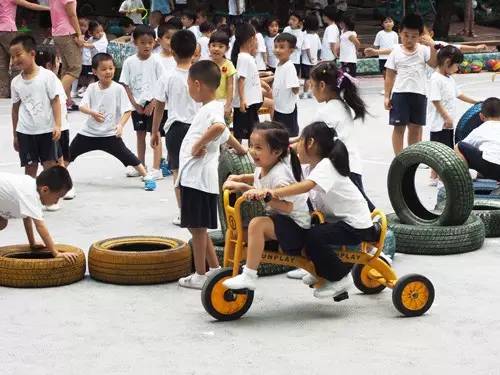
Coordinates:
(42, 230)
(274, 203)
(467, 99)
(237, 146)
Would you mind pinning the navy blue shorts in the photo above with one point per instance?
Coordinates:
(290, 235)
(475, 160)
(444, 136)
(289, 120)
(381, 64)
(37, 148)
(408, 108)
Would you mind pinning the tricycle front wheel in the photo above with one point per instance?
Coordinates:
(222, 303)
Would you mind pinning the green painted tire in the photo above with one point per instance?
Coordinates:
(217, 237)
(452, 171)
(437, 240)
(264, 269)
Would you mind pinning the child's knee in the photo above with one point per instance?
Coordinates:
(257, 225)
(3, 223)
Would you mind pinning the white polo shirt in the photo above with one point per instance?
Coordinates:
(330, 36)
(247, 68)
(285, 79)
(487, 138)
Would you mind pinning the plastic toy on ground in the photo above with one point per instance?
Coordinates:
(412, 294)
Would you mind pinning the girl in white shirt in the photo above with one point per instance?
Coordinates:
(348, 218)
(248, 93)
(349, 44)
(261, 55)
(288, 219)
(272, 28)
(339, 94)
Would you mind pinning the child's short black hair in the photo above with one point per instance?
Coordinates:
(311, 23)
(287, 37)
(257, 24)
(412, 22)
(219, 37)
(45, 54)
(449, 52)
(56, 178)
(207, 72)
(126, 22)
(26, 40)
(188, 13)
(175, 22)
(330, 12)
(141, 30)
(93, 25)
(99, 58)
(348, 22)
(296, 15)
(183, 44)
(269, 21)
(491, 107)
(387, 18)
(164, 28)
(207, 27)
(218, 18)
(225, 28)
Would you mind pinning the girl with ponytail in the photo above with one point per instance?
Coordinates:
(331, 191)
(338, 91)
(287, 219)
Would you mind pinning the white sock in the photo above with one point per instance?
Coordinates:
(250, 272)
(214, 268)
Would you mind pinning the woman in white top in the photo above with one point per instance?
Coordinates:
(348, 218)
(349, 44)
(288, 218)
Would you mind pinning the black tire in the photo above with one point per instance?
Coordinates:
(488, 210)
(264, 269)
(361, 282)
(413, 295)
(483, 189)
(452, 171)
(217, 237)
(212, 297)
(230, 163)
(468, 122)
(435, 240)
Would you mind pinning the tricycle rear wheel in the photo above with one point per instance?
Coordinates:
(413, 295)
(224, 304)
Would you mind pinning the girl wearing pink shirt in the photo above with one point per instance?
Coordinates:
(8, 31)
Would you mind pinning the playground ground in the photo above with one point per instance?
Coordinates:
(95, 328)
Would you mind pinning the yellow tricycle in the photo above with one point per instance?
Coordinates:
(412, 294)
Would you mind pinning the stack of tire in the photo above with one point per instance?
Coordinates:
(420, 231)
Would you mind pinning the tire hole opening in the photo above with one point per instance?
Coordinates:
(31, 255)
(419, 196)
(140, 246)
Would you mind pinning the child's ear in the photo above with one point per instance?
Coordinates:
(322, 85)
(482, 117)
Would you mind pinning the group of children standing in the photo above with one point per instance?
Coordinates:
(172, 94)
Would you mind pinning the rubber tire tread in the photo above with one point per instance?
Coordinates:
(436, 240)
(230, 163)
(452, 171)
(490, 218)
(136, 267)
(40, 273)
(265, 269)
(468, 122)
(217, 237)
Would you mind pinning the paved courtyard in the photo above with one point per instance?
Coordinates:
(96, 328)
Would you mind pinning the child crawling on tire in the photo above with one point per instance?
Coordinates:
(481, 148)
(21, 196)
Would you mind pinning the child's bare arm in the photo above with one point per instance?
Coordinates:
(137, 107)
(355, 41)
(280, 205)
(157, 117)
(44, 234)
(15, 120)
(448, 121)
(28, 227)
(293, 189)
(229, 93)
(241, 92)
(214, 131)
(390, 77)
(233, 143)
(56, 110)
(467, 99)
(433, 59)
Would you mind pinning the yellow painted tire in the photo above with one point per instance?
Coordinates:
(20, 267)
(220, 302)
(413, 295)
(139, 260)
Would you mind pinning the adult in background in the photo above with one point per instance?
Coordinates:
(163, 6)
(8, 31)
(69, 41)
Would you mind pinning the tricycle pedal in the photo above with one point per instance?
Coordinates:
(341, 297)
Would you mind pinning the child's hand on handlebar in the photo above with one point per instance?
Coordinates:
(258, 195)
(232, 186)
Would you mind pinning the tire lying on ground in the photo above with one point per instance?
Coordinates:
(488, 210)
(139, 260)
(21, 267)
(468, 122)
(264, 268)
(453, 173)
(437, 240)
(230, 163)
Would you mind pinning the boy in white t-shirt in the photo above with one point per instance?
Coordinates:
(206, 30)
(443, 94)
(286, 84)
(23, 197)
(385, 40)
(295, 28)
(198, 160)
(481, 148)
(310, 56)
(405, 83)
(172, 88)
(140, 75)
(108, 107)
(36, 108)
(133, 9)
(330, 44)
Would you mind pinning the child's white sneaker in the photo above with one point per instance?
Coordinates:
(212, 271)
(53, 207)
(154, 174)
(334, 288)
(177, 220)
(193, 281)
(71, 194)
(309, 279)
(245, 280)
(132, 172)
(297, 273)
